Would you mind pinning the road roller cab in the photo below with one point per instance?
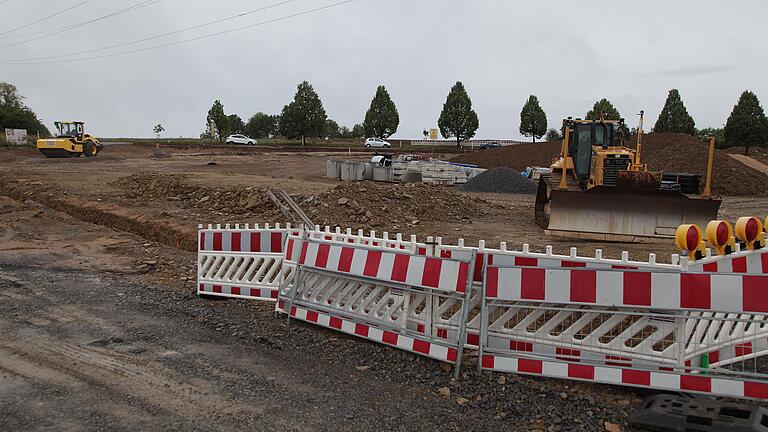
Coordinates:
(71, 140)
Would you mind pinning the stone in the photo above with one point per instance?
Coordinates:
(362, 368)
(502, 380)
(204, 199)
(343, 201)
(444, 391)
(612, 427)
(462, 401)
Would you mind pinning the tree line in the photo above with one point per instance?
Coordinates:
(14, 114)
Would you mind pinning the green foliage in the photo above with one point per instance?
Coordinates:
(382, 119)
(747, 125)
(718, 133)
(14, 114)
(332, 129)
(217, 121)
(158, 129)
(553, 135)
(458, 119)
(533, 120)
(674, 116)
(305, 116)
(358, 131)
(235, 125)
(605, 108)
(261, 125)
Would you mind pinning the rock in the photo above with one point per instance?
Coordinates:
(462, 401)
(252, 202)
(502, 380)
(204, 199)
(612, 427)
(444, 391)
(563, 395)
(343, 201)
(362, 368)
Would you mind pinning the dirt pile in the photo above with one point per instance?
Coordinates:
(392, 206)
(661, 151)
(500, 179)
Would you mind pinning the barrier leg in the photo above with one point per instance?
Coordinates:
(483, 317)
(464, 316)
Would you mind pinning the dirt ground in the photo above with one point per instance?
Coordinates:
(99, 328)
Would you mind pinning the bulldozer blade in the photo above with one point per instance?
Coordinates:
(610, 214)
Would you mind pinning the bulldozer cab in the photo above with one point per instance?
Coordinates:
(588, 133)
(73, 130)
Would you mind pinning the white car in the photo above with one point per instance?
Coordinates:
(241, 139)
(377, 142)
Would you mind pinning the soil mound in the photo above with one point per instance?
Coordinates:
(667, 152)
(500, 179)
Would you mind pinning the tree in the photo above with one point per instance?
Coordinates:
(674, 117)
(458, 119)
(345, 132)
(553, 135)
(332, 129)
(217, 120)
(358, 131)
(305, 116)
(14, 114)
(382, 119)
(261, 125)
(158, 129)
(603, 108)
(533, 120)
(718, 133)
(747, 125)
(235, 124)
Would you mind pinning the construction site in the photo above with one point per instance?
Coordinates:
(110, 286)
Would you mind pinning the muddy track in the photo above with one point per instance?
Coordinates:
(163, 230)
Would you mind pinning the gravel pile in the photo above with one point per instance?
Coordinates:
(500, 179)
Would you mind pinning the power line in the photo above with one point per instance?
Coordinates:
(133, 42)
(83, 24)
(45, 18)
(307, 12)
(4, 2)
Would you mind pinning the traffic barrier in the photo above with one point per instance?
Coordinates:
(385, 294)
(240, 262)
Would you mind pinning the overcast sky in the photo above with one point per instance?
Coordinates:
(569, 54)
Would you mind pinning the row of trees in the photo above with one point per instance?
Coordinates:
(14, 114)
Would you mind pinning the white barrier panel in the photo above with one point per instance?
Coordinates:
(388, 295)
(240, 262)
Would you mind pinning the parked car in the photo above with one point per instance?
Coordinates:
(490, 145)
(241, 139)
(377, 142)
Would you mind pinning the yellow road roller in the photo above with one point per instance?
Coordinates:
(70, 141)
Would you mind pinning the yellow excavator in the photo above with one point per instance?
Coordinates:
(70, 141)
(599, 189)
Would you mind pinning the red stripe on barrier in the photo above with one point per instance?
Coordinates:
(714, 357)
(442, 333)
(461, 280)
(696, 383)
(335, 323)
(739, 265)
(520, 346)
(235, 291)
(234, 242)
(312, 316)
(586, 372)
(217, 241)
(452, 353)
(361, 330)
(532, 284)
(372, 262)
(321, 260)
(710, 267)
(755, 293)
(202, 240)
(584, 286)
(422, 251)
(489, 362)
(445, 254)
(293, 311)
(492, 282)
(743, 349)
(256, 243)
(431, 275)
(201, 287)
(755, 390)
(303, 255)
(764, 262)
(273, 294)
(636, 377)
(623, 267)
(345, 259)
(526, 262)
(400, 267)
(277, 242)
(529, 366)
(389, 338)
(473, 339)
(421, 346)
(288, 249)
(695, 291)
(637, 288)
(572, 264)
(217, 289)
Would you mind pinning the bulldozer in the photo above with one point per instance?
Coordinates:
(599, 189)
(70, 141)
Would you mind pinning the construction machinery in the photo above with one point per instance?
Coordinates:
(600, 190)
(70, 141)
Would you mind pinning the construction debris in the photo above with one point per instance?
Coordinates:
(500, 179)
